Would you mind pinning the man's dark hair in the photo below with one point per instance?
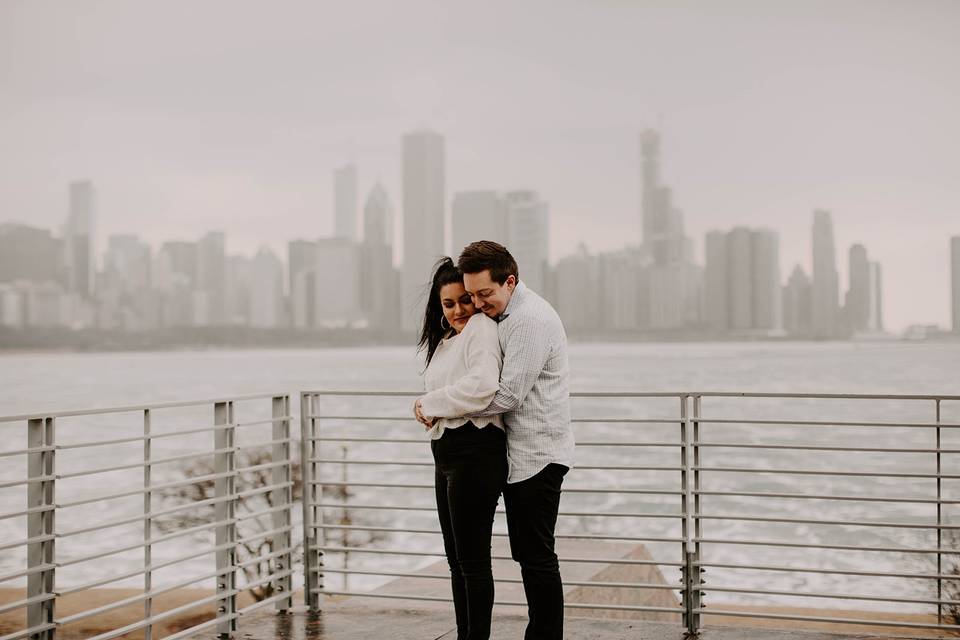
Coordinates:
(487, 254)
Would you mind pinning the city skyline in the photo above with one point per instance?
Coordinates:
(861, 125)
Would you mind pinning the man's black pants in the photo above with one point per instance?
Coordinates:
(471, 471)
(532, 507)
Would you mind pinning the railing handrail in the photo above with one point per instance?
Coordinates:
(140, 407)
(666, 394)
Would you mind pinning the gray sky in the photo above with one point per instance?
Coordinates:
(193, 116)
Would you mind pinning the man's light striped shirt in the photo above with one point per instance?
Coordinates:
(534, 394)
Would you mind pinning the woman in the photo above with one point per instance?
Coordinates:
(470, 456)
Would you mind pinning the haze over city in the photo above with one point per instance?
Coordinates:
(233, 117)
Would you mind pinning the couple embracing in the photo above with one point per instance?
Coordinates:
(497, 411)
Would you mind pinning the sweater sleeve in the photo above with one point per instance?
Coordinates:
(474, 390)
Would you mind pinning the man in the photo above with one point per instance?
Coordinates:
(534, 398)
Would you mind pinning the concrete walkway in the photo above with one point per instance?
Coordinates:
(371, 623)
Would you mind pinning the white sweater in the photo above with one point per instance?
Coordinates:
(463, 377)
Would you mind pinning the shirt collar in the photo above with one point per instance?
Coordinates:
(515, 300)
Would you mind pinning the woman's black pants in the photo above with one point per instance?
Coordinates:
(471, 472)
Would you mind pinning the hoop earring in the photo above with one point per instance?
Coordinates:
(442, 319)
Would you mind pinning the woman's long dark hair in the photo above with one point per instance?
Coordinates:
(444, 272)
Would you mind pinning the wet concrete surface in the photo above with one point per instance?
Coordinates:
(362, 622)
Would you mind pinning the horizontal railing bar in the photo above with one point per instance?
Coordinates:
(26, 512)
(153, 436)
(572, 583)
(35, 480)
(36, 629)
(864, 621)
(505, 603)
(806, 545)
(250, 608)
(865, 474)
(825, 396)
(264, 534)
(140, 465)
(25, 541)
(181, 507)
(40, 568)
(658, 394)
(833, 596)
(571, 536)
(329, 505)
(402, 552)
(829, 423)
(10, 606)
(273, 420)
(415, 463)
(387, 485)
(151, 489)
(853, 523)
(665, 420)
(21, 452)
(144, 407)
(877, 574)
(809, 447)
(152, 567)
(760, 494)
(267, 443)
(192, 631)
(262, 512)
(266, 556)
(137, 598)
(134, 626)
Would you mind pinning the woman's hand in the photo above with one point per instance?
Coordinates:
(422, 419)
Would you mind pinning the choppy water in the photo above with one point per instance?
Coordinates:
(32, 382)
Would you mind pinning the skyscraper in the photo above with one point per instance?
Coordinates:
(345, 202)
(955, 281)
(301, 264)
(337, 281)
(716, 293)
(28, 253)
(740, 278)
(825, 280)
(798, 303)
(379, 293)
(212, 278)
(424, 197)
(79, 238)
(378, 217)
(765, 288)
(477, 215)
(857, 305)
(875, 318)
(528, 236)
(577, 294)
(266, 290)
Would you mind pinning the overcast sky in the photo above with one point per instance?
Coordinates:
(227, 115)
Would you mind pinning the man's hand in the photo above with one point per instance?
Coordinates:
(422, 419)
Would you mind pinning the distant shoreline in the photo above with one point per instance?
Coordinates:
(62, 340)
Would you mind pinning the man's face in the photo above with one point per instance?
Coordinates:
(488, 295)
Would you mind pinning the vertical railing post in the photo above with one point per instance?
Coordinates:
(685, 511)
(282, 497)
(696, 571)
(312, 556)
(224, 510)
(939, 522)
(41, 554)
(147, 527)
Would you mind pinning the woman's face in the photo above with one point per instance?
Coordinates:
(457, 305)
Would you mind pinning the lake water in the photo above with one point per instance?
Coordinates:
(52, 381)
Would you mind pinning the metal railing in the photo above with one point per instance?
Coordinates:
(188, 521)
(826, 498)
(886, 456)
